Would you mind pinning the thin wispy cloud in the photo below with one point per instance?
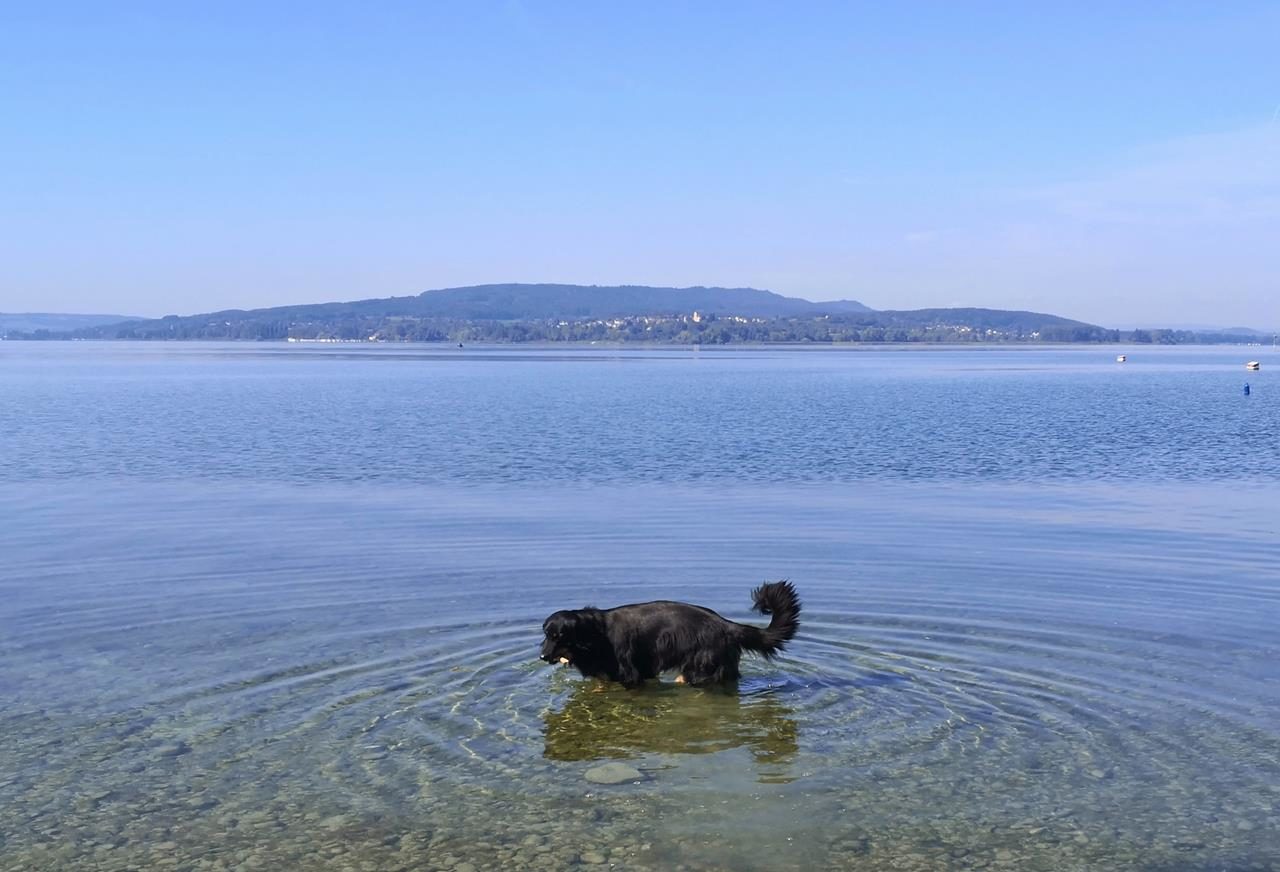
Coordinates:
(1216, 178)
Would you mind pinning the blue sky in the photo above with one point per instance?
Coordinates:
(1118, 163)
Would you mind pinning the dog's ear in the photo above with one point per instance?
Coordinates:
(577, 626)
(560, 624)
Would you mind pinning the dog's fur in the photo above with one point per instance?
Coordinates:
(633, 643)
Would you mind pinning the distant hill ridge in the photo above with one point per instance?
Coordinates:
(524, 301)
(518, 312)
(29, 322)
(520, 302)
(536, 302)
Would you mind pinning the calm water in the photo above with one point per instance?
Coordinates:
(275, 607)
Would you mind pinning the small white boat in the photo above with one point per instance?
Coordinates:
(1120, 358)
(1253, 365)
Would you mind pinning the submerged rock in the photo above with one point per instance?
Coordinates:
(613, 773)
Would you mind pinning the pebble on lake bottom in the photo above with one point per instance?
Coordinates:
(613, 773)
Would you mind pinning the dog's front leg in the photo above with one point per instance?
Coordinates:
(628, 674)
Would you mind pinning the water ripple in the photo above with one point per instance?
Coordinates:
(364, 662)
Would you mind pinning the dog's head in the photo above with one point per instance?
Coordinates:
(567, 634)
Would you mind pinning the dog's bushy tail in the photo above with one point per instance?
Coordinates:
(777, 598)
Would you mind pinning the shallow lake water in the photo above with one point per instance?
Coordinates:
(279, 608)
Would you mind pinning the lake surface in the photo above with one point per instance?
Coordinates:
(278, 607)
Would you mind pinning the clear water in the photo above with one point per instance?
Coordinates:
(277, 607)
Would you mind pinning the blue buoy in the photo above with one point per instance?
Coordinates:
(1246, 389)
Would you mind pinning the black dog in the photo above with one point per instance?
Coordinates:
(633, 643)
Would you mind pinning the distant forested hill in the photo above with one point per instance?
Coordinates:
(1001, 321)
(525, 302)
(505, 302)
(520, 302)
(30, 322)
(624, 313)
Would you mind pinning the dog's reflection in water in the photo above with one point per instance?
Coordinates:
(609, 721)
